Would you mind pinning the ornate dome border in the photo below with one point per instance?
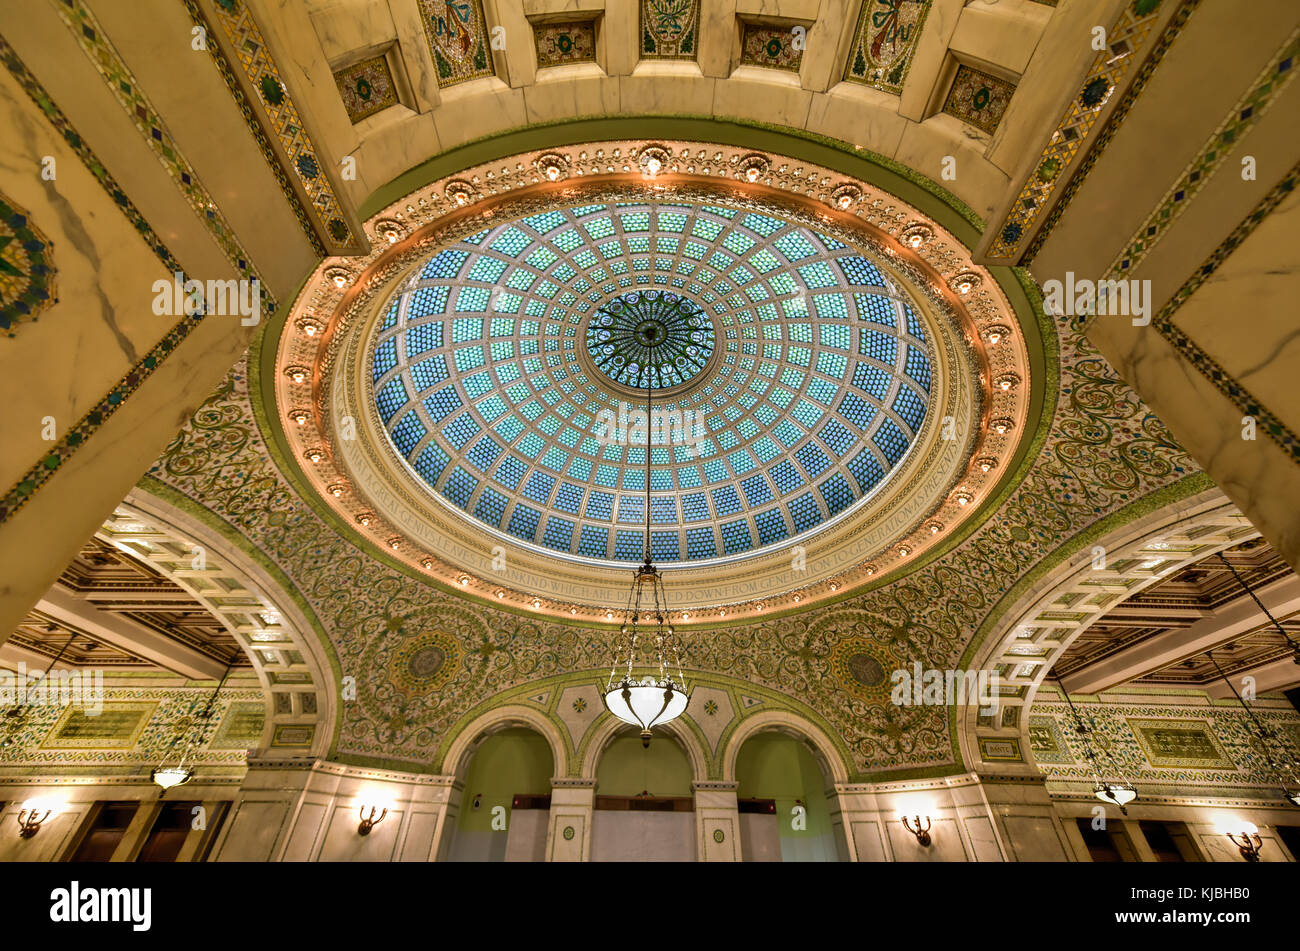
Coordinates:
(979, 330)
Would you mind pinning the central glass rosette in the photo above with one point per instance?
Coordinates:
(650, 338)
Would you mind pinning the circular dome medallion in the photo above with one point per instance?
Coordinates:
(650, 339)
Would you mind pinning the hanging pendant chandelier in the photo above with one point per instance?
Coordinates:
(168, 773)
(1117, 792)
(646, 686)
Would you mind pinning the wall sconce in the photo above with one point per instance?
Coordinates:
(922, 834)
(1246, 839)
(33, 813)
(368, 818)
(478, 801)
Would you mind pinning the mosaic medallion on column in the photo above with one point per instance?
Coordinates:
(26, 271)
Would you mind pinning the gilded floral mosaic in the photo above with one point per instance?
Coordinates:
(978, 98)
(670, 29)
(773, 47)
(366, 88)
(559, 44)
(459, 40)
(135, 728)
(26, 268)
(1159, 744)
(885, 42)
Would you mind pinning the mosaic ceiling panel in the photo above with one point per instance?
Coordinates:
(492, 370)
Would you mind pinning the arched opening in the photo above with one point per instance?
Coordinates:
(645, 806)
(506, 800)
(781, 793)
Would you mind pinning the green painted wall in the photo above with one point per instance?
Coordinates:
(772, 766)
(627, 769)
(510, 763)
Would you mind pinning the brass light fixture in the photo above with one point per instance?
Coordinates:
(1247, 841)
(922, 833)
(369, 819)
(658, 695)
(33, 813)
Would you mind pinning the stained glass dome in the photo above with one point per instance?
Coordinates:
(495, 366)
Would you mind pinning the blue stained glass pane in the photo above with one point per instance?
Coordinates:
(594, 541)
(910, 407)
(663, 510)
(700, 543)
(757, 491)
(804, 512)
(771, 526)
(491, 507)
(430, 464)
(559, 533)
(836, 493)
(523, 522)
(785, 476)
(726, 500)
(600, 506)
(812, 459)
(735, 537)
(629, 546)
(860, 271)
(866, 470)
(694, 508)
(510, 472)
(459, 486)
(665, 546)
(569, 498)
(408, 432)
(390, 398)
(891, 441)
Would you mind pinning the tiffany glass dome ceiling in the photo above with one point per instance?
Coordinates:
(497, 364)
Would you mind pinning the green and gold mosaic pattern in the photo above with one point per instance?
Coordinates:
(26, 268)
(1110, 67)
(126, 88)
(366, 88)
(458, 39)
(670, 29)
(277, 103)
(1160, 744)
(136, 726)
